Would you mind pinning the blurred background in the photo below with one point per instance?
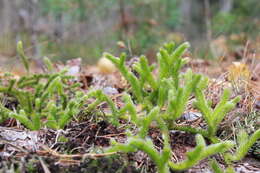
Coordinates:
(66, 29)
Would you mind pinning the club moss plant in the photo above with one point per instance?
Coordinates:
(44, 100)
(163, 97)
(170, 89)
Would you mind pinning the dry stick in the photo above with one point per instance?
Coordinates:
(63, 156)
(17, 147)
(245, 52)
(111, 135)
(44, 166)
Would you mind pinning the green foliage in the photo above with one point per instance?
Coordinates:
(155, 90)
(55, 6)
(230, 22)
(22, 55)
(223, 22)
(244, 144)
(217, 169)
(200, 152)
(4, 113)
(146, 146)
(140, 141)
(44, 99)
(213, 117)
(171, 89)
(163, 98)
(101, 97)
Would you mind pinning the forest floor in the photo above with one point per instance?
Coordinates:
(67, 150)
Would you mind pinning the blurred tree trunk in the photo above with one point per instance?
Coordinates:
(193, 23)
(8, 25)
(186, 14)
(59, 27)
(8, 15)
(226, 5)
(208, 15)
(122, 14)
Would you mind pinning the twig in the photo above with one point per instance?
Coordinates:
(44, 166)
(63, 156)
(14, 146)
